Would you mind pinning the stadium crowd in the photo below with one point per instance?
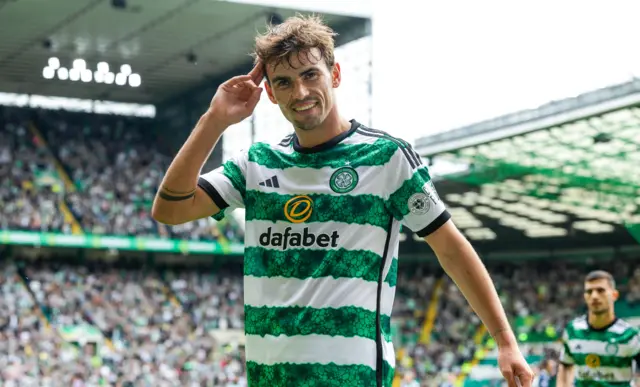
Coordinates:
(150, 338)
(28, 196)
(114, 166)
(157, 324)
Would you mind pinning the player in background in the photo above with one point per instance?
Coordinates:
(324, 208)
(599, 349)
(546, 375)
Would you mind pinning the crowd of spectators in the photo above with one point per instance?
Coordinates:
(31, 353)
(29, 190)
(114, 165)
(148, 337)
(158, 325)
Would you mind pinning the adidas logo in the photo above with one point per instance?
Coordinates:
(272, 182)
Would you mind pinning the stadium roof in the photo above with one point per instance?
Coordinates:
(159, 39)
(566, 175)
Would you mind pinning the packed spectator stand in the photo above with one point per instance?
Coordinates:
(113, 168)
(157, 324)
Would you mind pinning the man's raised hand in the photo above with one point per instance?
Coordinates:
(236, 99)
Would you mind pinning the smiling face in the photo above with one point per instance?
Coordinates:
(303, 87)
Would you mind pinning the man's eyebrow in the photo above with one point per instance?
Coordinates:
(280, 78)
(309, 70)
(302, 73)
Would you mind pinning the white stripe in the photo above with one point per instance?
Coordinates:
(287, 149)
(580, 324)
(355, 138)
(388, 353)
(619, 327)
(317, 293)
(372, 180)
(270, 350)
(388, 293)
(394, 244)
(603, 373)
(358, 138)
(351, 236)
(600, 348)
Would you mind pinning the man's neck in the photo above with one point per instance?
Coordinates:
(599, 321)
(332, 126)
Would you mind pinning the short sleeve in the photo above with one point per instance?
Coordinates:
(413, 199)
(566, 357)
(226, 185)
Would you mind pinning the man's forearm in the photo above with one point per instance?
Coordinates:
(466, 269)
(178, 199)
(183, 173)
(565, 376)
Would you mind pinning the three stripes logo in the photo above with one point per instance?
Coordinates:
(271, 182)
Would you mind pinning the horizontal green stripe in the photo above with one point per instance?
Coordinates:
(602, 383)
(392, 275)
(358, 155)
(605, 361)
(305, 263)
(235, 175)
(492, 361)
(398, 201)
(351, 209)
(316, 375)
(349, 321)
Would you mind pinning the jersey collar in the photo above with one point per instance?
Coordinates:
(326, 145)
(604, 328)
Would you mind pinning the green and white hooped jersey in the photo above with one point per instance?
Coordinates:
(321, 246)
(601, 357)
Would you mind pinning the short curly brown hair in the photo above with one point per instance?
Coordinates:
(297, 35)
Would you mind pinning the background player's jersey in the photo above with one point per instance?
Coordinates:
(602, 357)
(321, 248)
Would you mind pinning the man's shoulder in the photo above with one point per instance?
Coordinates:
(625, 328)
(578, 323)
(366, 134)
(278, 145)
(385, 143)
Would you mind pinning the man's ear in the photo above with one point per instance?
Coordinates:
(336, 75)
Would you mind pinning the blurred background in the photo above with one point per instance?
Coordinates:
(528, 113)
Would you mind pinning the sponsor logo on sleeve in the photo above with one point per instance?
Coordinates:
(430, 190)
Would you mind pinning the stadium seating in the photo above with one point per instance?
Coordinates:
(99, 172)
(168, 325)
(30, 189)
